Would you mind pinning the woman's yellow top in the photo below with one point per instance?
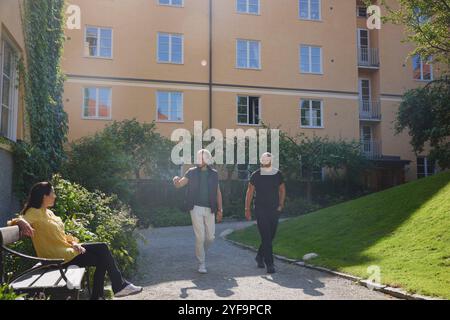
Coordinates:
(50, 239)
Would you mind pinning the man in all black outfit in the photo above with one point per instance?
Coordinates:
(270, 190)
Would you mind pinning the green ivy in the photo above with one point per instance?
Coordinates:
(43, 23)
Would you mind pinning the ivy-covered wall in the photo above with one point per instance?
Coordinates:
(42, 155)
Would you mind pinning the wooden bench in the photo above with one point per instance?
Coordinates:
(48, 277)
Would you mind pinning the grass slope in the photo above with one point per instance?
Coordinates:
(404, 230)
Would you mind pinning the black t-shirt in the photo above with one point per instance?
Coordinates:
(266, 189)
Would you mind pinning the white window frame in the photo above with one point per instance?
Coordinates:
(248, 113)
(311, 115)
(248, 8)
(97, 90)
(170, 48)
(425, 165)
(170, 106)
(248, 55)
(85, 43)
(421, 70)
(359, 37)
(361, 80)
(310, 59)
(170, 4)
(309, 11)
(14, 90)
(358, 8)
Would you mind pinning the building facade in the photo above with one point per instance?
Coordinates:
(11, 98)
(307, 66)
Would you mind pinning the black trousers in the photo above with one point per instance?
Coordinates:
(99, 256)
(267, 221)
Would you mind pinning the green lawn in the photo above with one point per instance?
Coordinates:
(404, 230)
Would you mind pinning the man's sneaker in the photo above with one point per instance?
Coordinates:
(128, 290)
(271, 269)
(202, 269)
(259, 262)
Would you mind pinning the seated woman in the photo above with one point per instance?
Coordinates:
(50, 241)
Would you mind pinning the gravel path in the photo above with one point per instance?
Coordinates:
(167, 269)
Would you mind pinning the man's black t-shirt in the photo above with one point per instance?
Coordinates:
(266, 188)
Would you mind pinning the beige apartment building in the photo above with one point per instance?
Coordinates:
(12, 48)
(308, 66)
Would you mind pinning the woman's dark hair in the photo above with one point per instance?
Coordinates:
(36, 196)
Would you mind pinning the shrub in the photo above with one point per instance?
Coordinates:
(96, 217)
(299, 206)
(96, 163)
(234, 209)
(122, 151)
(7, 293)
(168, 217)
(91, 217)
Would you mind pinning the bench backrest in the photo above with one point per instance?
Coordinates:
(9, 235)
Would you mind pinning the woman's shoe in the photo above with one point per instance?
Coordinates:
(128, 290)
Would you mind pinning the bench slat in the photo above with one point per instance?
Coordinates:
(50, 279)
(9, 235)
(75, 276)
(26, 280)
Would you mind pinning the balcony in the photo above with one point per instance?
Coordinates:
(369, 110)
(371, 149)
(368, 57)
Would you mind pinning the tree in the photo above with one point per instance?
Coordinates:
(301, 155)
(97, 163)
(425, 113)
(122, 151)
(427, 25)
(149, 151)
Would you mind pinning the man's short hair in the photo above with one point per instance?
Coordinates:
(207, 156)
(266, 158)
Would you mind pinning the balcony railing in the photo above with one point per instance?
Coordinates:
(370, 110)
(368, 57)
(371, 149)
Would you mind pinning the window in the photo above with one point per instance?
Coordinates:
(425, 167)
(310, 59)
(173, 3)
(169, 106)
(361, 11)
(309, 9)
(422, 70)
(98, 42)
(170, 48)
(248, 110)
(248, 6)
(311, 114)
(8, 91)
(97, 103)
(248, 54)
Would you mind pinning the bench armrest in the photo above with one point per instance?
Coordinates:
(42, 260)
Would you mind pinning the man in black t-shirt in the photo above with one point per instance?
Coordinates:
(269, 202)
